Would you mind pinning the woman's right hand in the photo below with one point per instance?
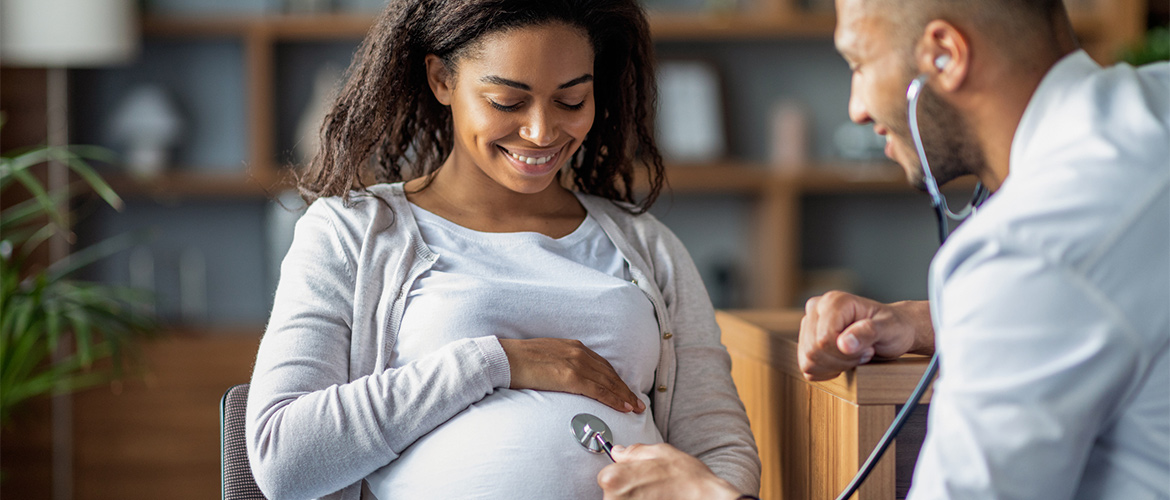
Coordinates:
(566, 365)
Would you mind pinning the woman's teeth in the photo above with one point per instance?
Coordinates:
(530, 160)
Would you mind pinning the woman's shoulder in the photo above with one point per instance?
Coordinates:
(641, 229)
(372, 209)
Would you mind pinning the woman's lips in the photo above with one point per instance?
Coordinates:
(532, 162)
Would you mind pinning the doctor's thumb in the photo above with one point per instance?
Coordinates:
(857, 338)
(850, 345)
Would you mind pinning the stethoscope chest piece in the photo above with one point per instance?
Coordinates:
(586, 428)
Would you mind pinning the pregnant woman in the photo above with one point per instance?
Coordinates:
(474, 270)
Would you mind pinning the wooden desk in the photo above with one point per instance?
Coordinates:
(813, 436)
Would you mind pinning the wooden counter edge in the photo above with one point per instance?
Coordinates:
(771, 336)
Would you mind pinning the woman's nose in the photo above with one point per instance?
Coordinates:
(538, 128)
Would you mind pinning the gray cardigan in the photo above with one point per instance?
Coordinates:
(324, 411)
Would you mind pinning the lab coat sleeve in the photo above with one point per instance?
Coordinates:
(311, 431)
(707, 418)
(1034, 362)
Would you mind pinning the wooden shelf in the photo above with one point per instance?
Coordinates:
(699, 26)
(188, 184)
(309, 27)
(757, 178)
(720, 177)
(845, 177)
(167, 26)
(275, 27)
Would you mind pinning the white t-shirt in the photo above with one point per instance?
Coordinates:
(518, 444)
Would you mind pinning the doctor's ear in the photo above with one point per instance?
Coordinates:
(943, 53)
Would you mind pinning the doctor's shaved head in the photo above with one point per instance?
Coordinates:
(1021, 30)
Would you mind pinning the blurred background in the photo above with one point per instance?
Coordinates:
(210, 104)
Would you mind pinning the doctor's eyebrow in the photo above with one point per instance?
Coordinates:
(496, 80)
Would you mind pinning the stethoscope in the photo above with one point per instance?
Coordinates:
(913, 92)
(593, 434)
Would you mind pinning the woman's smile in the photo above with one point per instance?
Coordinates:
(533, 161)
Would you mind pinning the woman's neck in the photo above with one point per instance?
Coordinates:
(467, 196)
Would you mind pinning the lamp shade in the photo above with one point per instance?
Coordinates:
(67, 33)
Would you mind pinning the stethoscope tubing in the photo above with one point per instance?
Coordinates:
(942, 213)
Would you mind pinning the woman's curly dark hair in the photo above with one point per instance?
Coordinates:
(387, 126)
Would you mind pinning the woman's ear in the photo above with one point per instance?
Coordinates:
(439, 79)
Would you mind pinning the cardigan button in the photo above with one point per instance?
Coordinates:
(662, 388)
(667, 335)
(634, 280)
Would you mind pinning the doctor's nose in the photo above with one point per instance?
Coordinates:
(858, 112)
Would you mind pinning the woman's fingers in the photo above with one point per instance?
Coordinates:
(605, 372)
(588, 374)
(566, 365)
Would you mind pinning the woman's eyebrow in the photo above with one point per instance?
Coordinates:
(496, 80)
(576, 81)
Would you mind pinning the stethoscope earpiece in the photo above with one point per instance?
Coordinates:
(942, 61)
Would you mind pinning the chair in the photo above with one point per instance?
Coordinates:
(236, 472)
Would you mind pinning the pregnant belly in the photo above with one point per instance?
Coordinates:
(513, 444)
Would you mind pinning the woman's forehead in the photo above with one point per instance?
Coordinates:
(553, 54)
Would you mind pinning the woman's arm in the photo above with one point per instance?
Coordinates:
(311, 431)
(707, 418)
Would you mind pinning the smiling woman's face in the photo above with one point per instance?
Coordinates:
(521, 104)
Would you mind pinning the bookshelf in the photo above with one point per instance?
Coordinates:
(1102, 25)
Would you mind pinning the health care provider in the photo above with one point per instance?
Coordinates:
(1051, 305)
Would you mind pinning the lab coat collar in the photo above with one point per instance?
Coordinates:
(1070, 69)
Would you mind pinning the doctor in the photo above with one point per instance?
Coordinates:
(1050, 307)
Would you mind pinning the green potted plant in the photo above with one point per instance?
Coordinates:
(58, 334)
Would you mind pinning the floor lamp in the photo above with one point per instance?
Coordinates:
(57, 35)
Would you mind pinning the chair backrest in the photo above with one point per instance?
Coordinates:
(238, 483)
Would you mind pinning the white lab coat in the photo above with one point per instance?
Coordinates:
(1051, 305)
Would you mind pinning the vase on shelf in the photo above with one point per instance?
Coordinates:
(147, 123)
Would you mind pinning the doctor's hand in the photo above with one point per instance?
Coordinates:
(660, 471)
(567, 365)
(840, 331)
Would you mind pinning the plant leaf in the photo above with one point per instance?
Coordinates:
(26, 211)
(94, 253)
(34, 186)
(87, 173)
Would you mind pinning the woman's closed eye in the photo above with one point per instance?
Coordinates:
(514, 107)
(505, 107)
